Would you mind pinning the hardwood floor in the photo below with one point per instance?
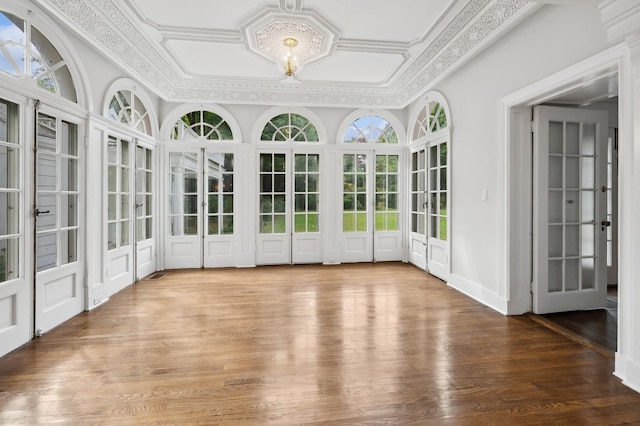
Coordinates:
(349, 344)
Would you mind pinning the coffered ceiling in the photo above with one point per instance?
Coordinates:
(357, 53)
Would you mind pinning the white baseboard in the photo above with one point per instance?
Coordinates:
(628, 371)
(479, 293)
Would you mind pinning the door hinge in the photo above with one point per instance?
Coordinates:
(532, 126)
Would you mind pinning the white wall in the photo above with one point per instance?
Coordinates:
(551, 39)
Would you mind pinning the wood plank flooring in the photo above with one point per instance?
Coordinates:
(339, 345)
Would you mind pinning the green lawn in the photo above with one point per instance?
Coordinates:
(357, 222)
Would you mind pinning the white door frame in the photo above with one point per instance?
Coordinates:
(515, 184)
(515, 173)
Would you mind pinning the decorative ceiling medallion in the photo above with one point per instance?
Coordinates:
(264, 34)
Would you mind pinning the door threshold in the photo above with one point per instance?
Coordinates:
(551, 325)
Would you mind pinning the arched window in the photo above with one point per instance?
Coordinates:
(432, 118)
(289, 127)
(26, 53)
(127, 108)
(370, 129)
(202, 124)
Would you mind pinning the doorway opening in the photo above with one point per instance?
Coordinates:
(590, 85)
(577, 208)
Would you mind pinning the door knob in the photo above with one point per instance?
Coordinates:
(605, 223)
(39, 212)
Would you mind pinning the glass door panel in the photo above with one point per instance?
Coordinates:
(219, 239)
(14, 287)
(57, 222)
(306, 238)
(144, 212)
(184, 239)
(437, 210)
(418, 233)
(570, 222)
(274, 239)
(355, 193)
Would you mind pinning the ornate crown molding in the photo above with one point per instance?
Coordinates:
(114, 30)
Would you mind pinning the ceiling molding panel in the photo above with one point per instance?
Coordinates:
(139, 45)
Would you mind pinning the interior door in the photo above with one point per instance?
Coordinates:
(418, 234)
(185, 209)
(59, 282)
(570, 225)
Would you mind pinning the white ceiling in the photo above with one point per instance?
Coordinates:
(376, 53)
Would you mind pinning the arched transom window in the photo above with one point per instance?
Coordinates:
(202, 124)
(26, 53)
(371, 129)
(289, 127)
(432, 118)
(126, 108)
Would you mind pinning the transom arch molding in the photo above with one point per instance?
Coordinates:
(384, 125)
(128, 104)
(51, 66)
(203, 122)
(430, 118)
(289, 125)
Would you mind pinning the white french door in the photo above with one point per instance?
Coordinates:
(289, 208)
(570, 222)
(15, 300)
(429, 239)
(201, 206)
(438, 260)
(418, 232)
(219, 243)
(130, 240)
(120, 248)
(371, 224)
(185, 209)
(59, 248)
(144, 211)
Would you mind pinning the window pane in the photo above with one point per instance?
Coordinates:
(279, 225)
(213, 225)
(313, 223)
(9, 213)
(68, 214)
(12, 31)
(227, 224)
(46, 251)
(227, 204)
(190, 225)
(213, 203)
(9, 259)
(124, 233)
